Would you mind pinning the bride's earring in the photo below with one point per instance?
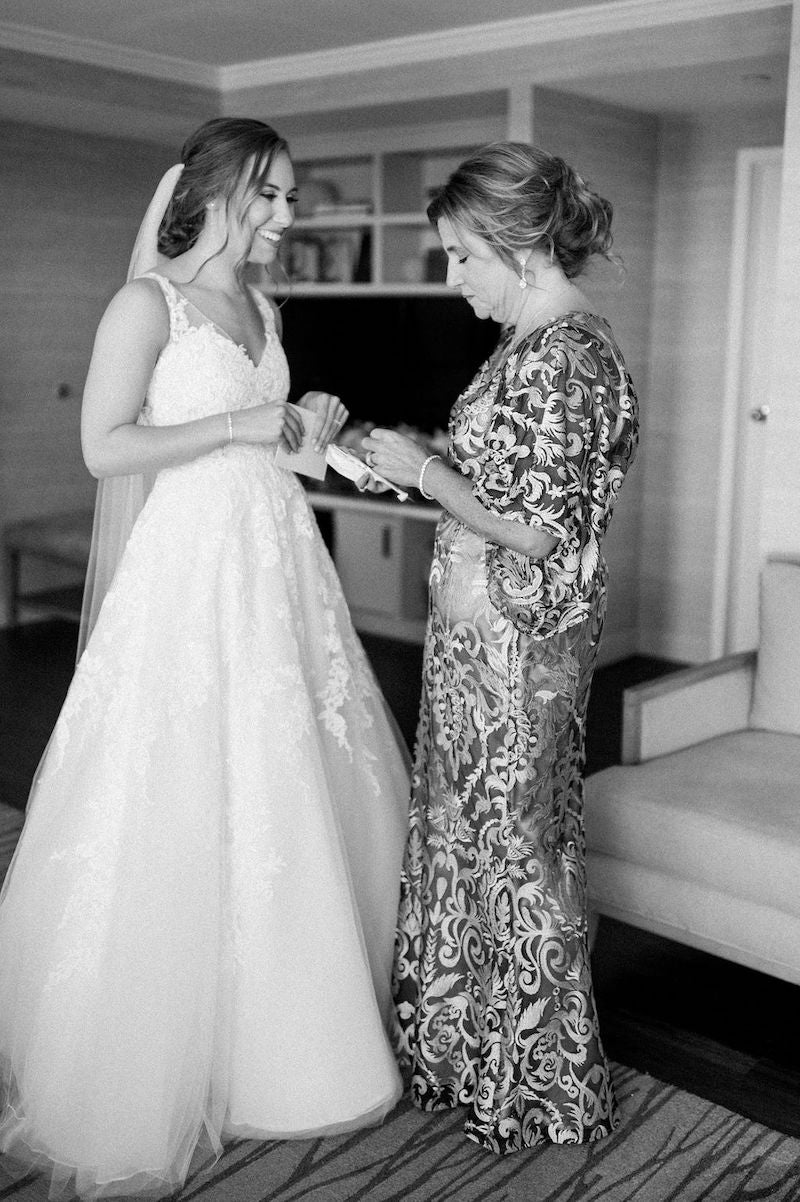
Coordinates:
(523, 281)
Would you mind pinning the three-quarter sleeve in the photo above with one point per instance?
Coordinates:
(556, 449)
(537, 439)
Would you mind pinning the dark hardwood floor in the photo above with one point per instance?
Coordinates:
(706, 1025)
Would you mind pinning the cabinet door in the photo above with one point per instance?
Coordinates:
(418, 540)
(369, 561)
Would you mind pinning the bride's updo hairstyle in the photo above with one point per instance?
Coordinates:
(517, 198)
(215, 158)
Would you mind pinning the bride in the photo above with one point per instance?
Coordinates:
(196, 931)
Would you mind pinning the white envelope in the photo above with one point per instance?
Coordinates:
(347, 464)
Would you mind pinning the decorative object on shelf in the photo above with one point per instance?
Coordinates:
(435, 265)
(313, 192)
(362, 272)
(380, 197)
(339, 256)
(303, 259)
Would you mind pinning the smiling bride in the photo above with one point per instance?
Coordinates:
(196, 933)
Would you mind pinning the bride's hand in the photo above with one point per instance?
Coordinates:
(268, 424)
(395, 456)
(334, 415)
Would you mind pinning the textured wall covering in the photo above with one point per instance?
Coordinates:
(683, 414)
(616, 150)
(72, 205)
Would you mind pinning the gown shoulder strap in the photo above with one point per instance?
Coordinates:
(176, 304)
(265, 307)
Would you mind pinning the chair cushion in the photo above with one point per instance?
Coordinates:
(776, 691)
(724, 813)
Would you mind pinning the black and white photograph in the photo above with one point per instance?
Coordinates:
(400, 606)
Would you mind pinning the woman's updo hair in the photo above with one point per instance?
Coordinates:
(214, 158)
(517, 197)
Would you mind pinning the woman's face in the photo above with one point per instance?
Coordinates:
(267, 217)
(477, 271)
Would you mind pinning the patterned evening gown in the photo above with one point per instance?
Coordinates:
(492, 980)
(196, 932)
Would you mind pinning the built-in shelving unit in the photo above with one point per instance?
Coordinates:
(361, 223)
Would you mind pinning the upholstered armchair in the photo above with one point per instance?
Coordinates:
(696, 835)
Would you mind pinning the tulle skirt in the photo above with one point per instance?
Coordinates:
(196, 931)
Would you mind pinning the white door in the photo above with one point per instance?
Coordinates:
(747, 403)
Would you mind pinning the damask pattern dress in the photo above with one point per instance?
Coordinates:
(196, 933)
(492, 983)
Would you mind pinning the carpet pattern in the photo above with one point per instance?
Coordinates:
(670, 1147)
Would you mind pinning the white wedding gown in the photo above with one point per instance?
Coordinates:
(196, 932)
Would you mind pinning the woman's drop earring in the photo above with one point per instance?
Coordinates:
(523, 282)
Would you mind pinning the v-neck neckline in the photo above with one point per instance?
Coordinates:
(509, 343)
(209, 321)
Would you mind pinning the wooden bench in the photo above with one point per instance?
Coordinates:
(63, 539)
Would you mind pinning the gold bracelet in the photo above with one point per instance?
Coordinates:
(428, 496)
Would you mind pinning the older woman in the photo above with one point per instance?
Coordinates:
(492, 979)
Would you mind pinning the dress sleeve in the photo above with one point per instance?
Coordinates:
(537, 438)
(562, 435)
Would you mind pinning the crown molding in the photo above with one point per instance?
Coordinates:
(94, 53)
(613, 16)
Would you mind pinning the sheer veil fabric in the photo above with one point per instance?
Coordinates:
(120, 499)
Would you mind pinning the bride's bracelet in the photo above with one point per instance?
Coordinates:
(230, 427)
(428, 496)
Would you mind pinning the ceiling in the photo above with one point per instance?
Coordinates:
(658, 56)
(224, 32)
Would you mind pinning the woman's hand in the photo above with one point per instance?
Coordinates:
(395, 456)
(268, 424)
(334, 415)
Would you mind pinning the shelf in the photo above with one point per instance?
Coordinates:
(329, 501)
(413, 219)
(333, 221)
(306, 288)
(381, 241)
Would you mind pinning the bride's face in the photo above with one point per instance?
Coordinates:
(264, 220)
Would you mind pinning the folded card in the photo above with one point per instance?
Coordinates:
(306, 460)
(349, 465)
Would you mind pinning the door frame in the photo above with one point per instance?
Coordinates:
(747, 160)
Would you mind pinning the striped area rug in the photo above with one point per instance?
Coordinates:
(670, 1147)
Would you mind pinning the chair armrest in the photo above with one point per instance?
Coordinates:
(687, 707)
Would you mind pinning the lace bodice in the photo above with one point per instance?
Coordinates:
(202, 371)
